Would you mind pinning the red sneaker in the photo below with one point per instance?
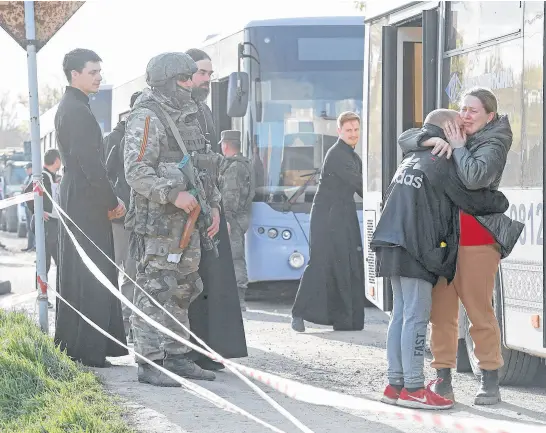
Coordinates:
(423, 399)
(390, 395)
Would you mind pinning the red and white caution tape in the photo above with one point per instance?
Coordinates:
(319, 396)
(208, 353)
(197, 390)
(12, 201)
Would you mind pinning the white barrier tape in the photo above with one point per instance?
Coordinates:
(217, 356)
(104, 280)
(12, 201)
(194, 388)
(319, 396)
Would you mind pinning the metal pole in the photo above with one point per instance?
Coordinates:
(36, 164)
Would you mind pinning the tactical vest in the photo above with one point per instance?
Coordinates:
(144, 216)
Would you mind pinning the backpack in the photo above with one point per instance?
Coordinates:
(116, 171)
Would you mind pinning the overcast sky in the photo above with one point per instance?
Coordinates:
(126, 34)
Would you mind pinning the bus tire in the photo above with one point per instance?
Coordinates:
(519, 368)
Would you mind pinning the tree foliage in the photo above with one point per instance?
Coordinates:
(14, 128)
(360, 5)
(48, 97)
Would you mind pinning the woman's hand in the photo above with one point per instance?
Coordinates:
(454, 135)
(440, 146)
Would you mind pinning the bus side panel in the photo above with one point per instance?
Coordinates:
(522, 277)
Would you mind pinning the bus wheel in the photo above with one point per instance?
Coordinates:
(519, 368)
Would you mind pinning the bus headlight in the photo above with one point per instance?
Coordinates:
(286, 235)
(272, 233)
(296, 260)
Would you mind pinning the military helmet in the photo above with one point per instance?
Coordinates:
(167, 66)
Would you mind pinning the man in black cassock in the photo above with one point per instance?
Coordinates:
(215, 316)
(331, 290)
(87, 196)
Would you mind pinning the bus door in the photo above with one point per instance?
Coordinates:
(409, 66)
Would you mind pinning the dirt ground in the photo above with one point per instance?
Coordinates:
(348, 362)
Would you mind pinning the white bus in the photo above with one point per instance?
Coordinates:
(101, 105)
(420, 56)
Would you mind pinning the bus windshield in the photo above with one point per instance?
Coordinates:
(301, 93)
(18, 175)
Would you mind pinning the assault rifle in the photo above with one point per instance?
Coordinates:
(202, 210)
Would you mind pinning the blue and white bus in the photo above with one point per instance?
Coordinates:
(303, 72)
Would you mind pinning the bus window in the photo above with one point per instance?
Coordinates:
(375, 108)
(532, 72)
(307, 77)
(498, 67)
(469, 23)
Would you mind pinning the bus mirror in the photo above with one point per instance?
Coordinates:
(237, 94)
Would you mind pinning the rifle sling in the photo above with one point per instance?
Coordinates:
(174, 130)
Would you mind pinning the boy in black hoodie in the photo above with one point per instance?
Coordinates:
(416, 242)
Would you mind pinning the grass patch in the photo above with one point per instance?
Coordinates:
(43, 391)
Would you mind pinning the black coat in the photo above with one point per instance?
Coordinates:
(87, 196)
(331, 290)
(215, 316)
(421, 210)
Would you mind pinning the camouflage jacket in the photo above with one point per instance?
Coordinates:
(237, 187)
(151, 158)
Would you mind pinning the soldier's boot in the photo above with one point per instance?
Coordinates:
(242, 294)
(488, 392)
(442, 385)
(185, 367)
(152, 376)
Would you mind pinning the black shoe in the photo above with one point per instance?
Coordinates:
(182, 366)
(152, 376)
(489, 392)
(442, 385)
(209, 364)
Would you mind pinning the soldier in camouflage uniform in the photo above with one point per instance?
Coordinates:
(237, 188)
(158, 211)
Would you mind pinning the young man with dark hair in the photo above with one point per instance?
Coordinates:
(416, 243)
(88, 198)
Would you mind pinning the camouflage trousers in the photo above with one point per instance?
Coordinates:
(175, 286)
(237, 241)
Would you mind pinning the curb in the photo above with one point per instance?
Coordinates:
(12, 301)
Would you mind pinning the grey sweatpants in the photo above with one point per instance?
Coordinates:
(407, 333)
